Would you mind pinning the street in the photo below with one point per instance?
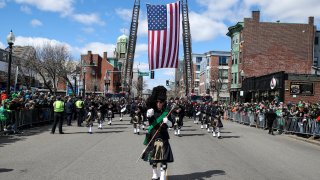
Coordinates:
(111, 153)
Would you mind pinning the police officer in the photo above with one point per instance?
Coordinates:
(58, 108)
(80, 110)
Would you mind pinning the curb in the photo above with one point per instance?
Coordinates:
(315, 142)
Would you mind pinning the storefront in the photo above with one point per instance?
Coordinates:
(282, 87)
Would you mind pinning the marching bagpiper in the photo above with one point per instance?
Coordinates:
(122, 108)
(202, 116)
(109, 110)
(158, 150)
(100, 114)
(90, 117)
(137, 119)
(217, 123)
(177, 117)
(196, 112)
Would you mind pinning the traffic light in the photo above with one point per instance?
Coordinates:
(167, 82)
(152, 75)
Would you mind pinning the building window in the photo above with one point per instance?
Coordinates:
(315, 61)
(223, 73)
(197, 75)
(236, 59)
(223, 60)
(196, 84)
(316, 40)
(235, 78)
(198, 59)
(197, 67)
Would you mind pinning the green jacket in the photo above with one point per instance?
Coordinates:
(3, 114)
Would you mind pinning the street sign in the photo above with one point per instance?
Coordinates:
(143, 73)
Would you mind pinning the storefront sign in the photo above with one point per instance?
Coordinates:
(273, 83)
(301, 88)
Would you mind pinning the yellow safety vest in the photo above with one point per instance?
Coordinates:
(79, 104)
(58, 106)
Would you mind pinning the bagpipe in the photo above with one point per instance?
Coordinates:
(148, 140)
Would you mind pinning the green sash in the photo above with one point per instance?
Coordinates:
(151, 127)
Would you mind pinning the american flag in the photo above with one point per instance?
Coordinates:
(163, 35)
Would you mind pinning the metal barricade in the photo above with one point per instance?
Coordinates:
(251, 116)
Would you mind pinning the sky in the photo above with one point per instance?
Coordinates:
(95, 25)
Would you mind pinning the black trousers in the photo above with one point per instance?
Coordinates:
(58, 117)
(69, 118)
(80, 116)
(270, 124)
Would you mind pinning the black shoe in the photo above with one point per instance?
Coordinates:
(61, 132)
(51, 132)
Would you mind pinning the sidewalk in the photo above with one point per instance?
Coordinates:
(312, 141)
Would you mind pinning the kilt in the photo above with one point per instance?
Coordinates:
(167, 153)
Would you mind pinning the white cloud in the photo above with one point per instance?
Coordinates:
(142, 48)
(2, 3)
(62, 6)
(35, 23)
(204, 29)
(88, 30)
(170, 72)
(25, 9)
(293, 11)
(143, 27)
(38, 42)
(141, 66)
(124, 13)
(88, 19)
(2, 45)
(97, 48)
(218, 15)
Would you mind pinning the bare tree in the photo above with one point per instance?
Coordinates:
(139, 85)
(53, 63)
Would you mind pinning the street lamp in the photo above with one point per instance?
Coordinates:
(10, 40)
(84, 82)
(242, 74)
(106, 84)
(75, 85)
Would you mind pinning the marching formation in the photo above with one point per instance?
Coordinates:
(156, 113)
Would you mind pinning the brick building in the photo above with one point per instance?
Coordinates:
(213, 77)
(100, 74)
(260, 48)
(284, 87)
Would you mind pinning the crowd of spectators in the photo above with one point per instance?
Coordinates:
(300, 113)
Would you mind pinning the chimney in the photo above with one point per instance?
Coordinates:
(89, 52)
(311, 20)
(105, 54)
(256, 16)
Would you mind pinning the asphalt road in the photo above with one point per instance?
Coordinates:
(111, 153)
